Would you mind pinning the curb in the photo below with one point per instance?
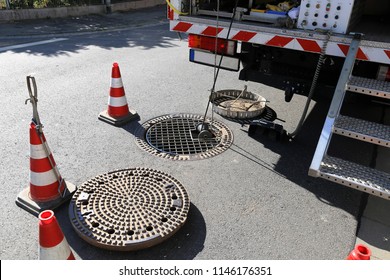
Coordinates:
(61, 12)
(73, 33)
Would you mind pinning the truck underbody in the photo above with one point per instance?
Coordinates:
(340, 46)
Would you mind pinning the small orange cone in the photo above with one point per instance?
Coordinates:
(360, 252)
(47, 188)
(118, 112)
(52, 242)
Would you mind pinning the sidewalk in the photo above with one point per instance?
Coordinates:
(374, 228)
(374, 225)
(82, 24)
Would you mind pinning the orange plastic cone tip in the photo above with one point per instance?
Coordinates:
(360, 252)
(116, 73)
(52, 242)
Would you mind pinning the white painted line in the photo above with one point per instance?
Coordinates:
(31, 44)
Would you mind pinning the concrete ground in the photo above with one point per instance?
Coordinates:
(374, 226)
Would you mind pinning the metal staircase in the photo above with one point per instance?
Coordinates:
(338, 170)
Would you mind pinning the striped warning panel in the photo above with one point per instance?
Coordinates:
(368, 53)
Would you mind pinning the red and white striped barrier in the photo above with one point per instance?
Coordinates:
(118, 111)
(375, 53)
(52, 242)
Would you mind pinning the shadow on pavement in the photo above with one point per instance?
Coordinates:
(119, 30)
(134, 127)
(295, 159)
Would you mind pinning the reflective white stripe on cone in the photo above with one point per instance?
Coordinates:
(38, 151)
(117, 101)
(42, 179)
(60, 252)
(116, 83)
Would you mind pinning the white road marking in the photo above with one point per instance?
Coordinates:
(31, 44)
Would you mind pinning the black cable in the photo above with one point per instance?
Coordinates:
(313, 86)
(220, 62)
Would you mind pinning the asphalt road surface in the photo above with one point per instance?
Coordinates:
(253, 201)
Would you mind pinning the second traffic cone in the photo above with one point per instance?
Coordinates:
(52, 242)
(360, 252)
(118, 112)
(47, 188)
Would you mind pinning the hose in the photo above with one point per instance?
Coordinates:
(313, 86)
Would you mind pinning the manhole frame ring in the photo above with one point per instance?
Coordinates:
(141, 141)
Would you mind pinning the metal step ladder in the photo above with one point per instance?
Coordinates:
(340, 171)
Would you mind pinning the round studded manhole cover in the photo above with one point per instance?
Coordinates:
(178, 137)
(129, 209)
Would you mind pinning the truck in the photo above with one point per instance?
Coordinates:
(299, 47)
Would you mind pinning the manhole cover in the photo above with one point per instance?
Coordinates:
(177, 137)
(129, 209)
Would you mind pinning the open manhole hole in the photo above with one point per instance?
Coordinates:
(177, 137)
(129, 209)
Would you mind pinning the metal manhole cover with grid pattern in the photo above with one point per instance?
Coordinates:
(129, 209)
(176, 137)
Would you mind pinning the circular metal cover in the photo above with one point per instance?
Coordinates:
(129, 209)
(179, 137)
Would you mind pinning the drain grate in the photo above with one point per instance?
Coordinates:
(129, 209)
(176, 137)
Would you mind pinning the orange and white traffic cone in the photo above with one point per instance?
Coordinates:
(360, 252)
(47, 188)
(118, 112)
(52, 242)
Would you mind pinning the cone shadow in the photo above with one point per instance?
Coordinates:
(134, 127)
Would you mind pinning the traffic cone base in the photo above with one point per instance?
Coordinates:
(25, 201)
(118, 121)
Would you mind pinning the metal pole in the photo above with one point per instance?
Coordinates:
(7, 4)
(108, 6)
(33, 92)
